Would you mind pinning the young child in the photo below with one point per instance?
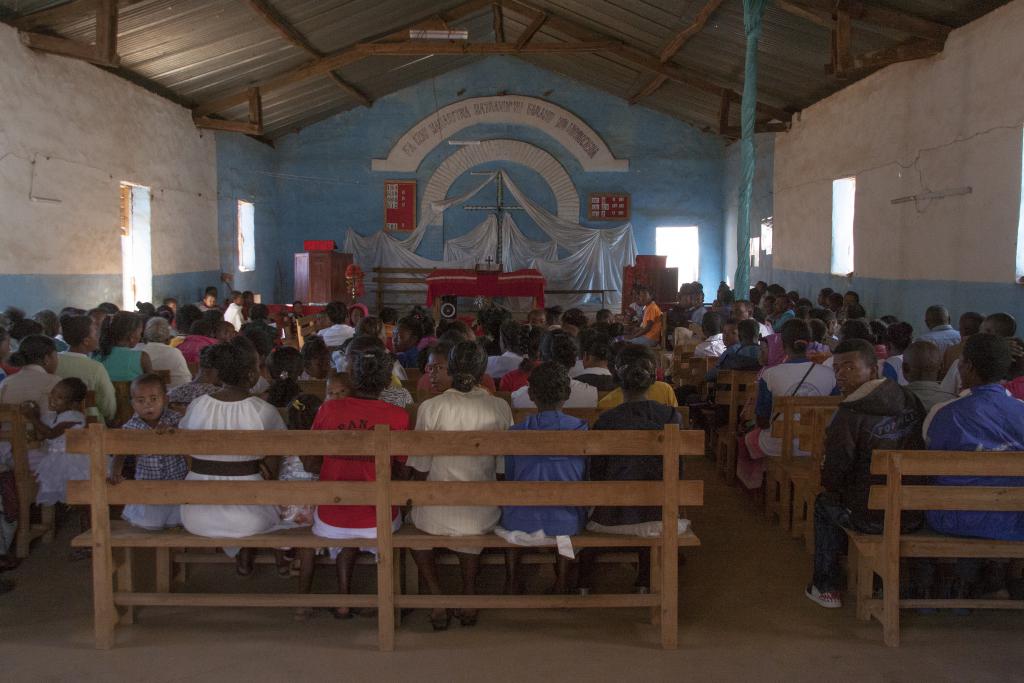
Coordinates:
(119, 335)
(316, 359)
(53, 465)
(234, 314)
(369, 370)
(149, 400)
(301, 414)
(284, 367)
(338, 386)
(549, 390)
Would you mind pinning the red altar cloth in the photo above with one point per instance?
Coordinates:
(454, 282)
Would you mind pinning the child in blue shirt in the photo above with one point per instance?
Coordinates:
(549, 390)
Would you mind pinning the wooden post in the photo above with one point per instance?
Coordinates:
(890, 564)
(842, 57)
(499, 23)
(106, 31)
(163, 570)
(23, 483)
(126, 583)
(670, 540)
(385, 549)
(105, 613)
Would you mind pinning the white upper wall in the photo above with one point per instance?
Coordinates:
(950, 121)
(72, 132)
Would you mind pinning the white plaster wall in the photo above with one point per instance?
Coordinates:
(950, 121)
(86, 131)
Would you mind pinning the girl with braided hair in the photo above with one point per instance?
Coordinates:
(465, 407)
(636, 369)
(369, 370)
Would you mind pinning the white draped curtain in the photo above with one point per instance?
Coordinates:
(594, 260)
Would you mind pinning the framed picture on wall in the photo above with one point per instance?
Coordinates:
(399, 205)
(608, 206)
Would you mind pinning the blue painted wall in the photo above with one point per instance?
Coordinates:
(36, 292)
(323, 184)
(246, 171)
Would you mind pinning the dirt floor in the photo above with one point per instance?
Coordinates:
(743, 616)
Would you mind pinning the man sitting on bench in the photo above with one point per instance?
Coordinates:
(876, 414)
(984, 418)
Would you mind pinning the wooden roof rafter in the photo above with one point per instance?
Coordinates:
(673, 47)
(280, 24)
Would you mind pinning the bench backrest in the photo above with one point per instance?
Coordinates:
(895, 496)
(733, 388)
(383, 444)
(316, 387)
(803, 418)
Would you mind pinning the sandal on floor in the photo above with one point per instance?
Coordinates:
(441, 623)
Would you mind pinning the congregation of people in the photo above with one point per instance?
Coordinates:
(903, 384)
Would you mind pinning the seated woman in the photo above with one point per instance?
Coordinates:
(549, 389)
(369, 369)
(797, 376)
(155, 337)
(411, 330)
(529, 348)
(636, 368)
(561, 348)
(231, 407)
(205, 382)
(316, 357)
(119, 335)
(466, 408)
(435, 378)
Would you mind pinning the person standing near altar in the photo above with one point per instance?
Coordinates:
(649, 333)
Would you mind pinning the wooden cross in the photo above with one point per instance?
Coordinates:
(498, 208)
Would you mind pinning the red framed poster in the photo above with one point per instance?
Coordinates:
(608, 206)
(399, 205)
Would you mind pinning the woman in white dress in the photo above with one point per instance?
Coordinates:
(464, 407)
(231, 407)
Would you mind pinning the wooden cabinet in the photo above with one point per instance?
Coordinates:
(320, 277)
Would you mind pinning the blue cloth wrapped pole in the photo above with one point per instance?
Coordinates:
(753, 11)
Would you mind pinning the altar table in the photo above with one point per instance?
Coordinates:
(472, 283)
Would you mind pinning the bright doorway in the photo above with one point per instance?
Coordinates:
(682, 247)
(136, 246)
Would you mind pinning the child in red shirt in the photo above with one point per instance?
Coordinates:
(369, 369)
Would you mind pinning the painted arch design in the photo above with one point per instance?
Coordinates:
(566, 128)
(567, 197)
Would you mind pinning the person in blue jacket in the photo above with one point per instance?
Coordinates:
(549, 390)
(984, 418)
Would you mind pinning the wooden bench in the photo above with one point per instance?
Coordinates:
(733, 388)
(801, 419)
(112, 554)
(15, 432)
(881, 554)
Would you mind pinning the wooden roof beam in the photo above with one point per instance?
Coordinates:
(531, 30)
(876, 59)
(254, 126)
(351, 90)
(288, 31)
(640, 58)
(277, 21)
(430, 47)
(102, 53)
(336, 60)
(498, 21)
(52, 16)
(673, 46)
(873, 14)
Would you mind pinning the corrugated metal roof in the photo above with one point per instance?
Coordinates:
(202, 50)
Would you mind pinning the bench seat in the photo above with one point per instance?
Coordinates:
(124, 535)
(927, 543)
